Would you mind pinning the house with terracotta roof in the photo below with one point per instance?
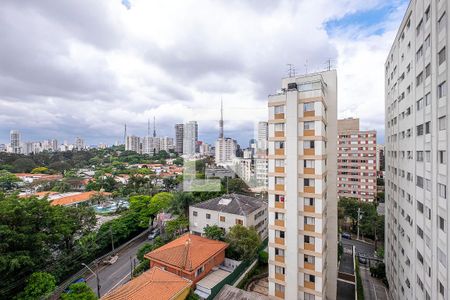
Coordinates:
(154, 284)
(77, 198)
(189, 256)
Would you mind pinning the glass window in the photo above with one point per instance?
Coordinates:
(279, 109)
(308, 144)
(309, 201)
(308, 163)
(308, 182)
(442, 121)
(442, 156)
(208, 216)
(442, 22)
(279, 145)
(442, 56)
(279, 127)
(427, 99)
(419, 156)
(194, 213)
(419, 129)
(279, 198)
(279, 180)
(419, 104)
(308, 125)
(427, 70)
(442, 190)
(442, 89)
(427, 127)
(309, 239)
(308, 106)
(279, 162)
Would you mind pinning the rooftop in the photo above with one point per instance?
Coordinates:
(155, 284)
(188, 252)
(233, 204)
(230, 292)
(77, 198)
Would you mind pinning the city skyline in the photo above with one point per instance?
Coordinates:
(136, 80)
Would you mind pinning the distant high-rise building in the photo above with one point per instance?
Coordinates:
(133, 143)
(2, 148)
(225, 151)
(179, 136)
(190, 138)
(417, 141)
(15, 141)
(263, 135)
(302, 188)
(151, 145)
(79, 144)
(166, 144)
(380, 158)
(356, 161)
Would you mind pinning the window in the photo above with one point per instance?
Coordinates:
(239, 221)
(427, 70)
(279, 145)
(427, 99)
(279, 180)
(194, 213)
(279, 234)
(279, 252)
(308, 163)
(309, 220)
(279, 163)
(427, 42)
(419, 53)
(420, 257)
(442, 22)
(442, 89)
(419, 155)
(310, 278)
(279, 216)
(279, 109)
(419, 79)
(441, 223)
(427, 127)
(309, 239)
(308, 106)
(419, 232)
(419, 130)
(308, 296)
(308, 182)
(419, 27)
(279, 287)
(419, 181)
(428, 156)
(420, 206)
(308, 125)
(419, 104)
(308, 144)
(309, 201)
(208, 216)
(279, 127)
(442, 123)
(442, 157)
(222, 218)
(279, 270)
(279, 198)
(199, 271)
(427, 14)
(309, 259)
(441, 289)
(442, 190)
(442, 56)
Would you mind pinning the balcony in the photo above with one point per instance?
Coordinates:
(279, 169)
(279, 294)
(279, 276)
(279, 258)
(309, 132)
(309, 208)
(279, 187)
(309, 247)
(279, 223)
(279, 204)
(279, 116)
(279, 133)
(279, 241)
(309, 266)
(310, 285)
(279, 151)
(309, 227)
(310, 113)
(309, 189)
(309, 151)
(309, 170)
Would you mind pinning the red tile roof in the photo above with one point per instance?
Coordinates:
(155, 284)
(187, 252)
(77, 198)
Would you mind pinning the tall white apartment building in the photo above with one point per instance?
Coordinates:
(150, 145)
(263, 134)
(190, 138)
(133, 143)
(166, 143)
(302, 188)
(225, 151)
(79, 144)
(15, 145)
(416, 147)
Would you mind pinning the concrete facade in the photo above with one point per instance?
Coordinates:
(303, 200)
(417, 140)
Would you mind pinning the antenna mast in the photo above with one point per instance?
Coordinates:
(154, 127)
(221, 119)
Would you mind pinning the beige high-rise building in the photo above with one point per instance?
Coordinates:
(302, 188)
(356, 159)
(417, 139)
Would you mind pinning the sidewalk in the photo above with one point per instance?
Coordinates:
(374, 289)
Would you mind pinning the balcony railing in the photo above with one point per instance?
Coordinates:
(309, 189)
(279, 223)
(279, 204)
(279, 169)
(309, 227)
(279, 187)
(279, 294)
(279, 116)
(279, 276)
(279, 241)
(279, 151)
(309, 266)
(309, 132)
(279, 133)
(309, 170)
(279, 258)
(310, 113)
(310, 285)
(309, 151)
(309, 247)
(309, 208)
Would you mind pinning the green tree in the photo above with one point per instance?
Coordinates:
(39, 285)
(8, 181)
(177, 226)
(214, 232)
(237, 185)
(23, 165)
(79, 291)
(243, 242)
(40, 170)
(181, 202)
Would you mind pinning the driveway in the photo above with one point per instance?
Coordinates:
(112, 276)
(374, 289)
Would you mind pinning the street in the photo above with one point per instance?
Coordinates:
(373, 288)
(362, 248)
(112, 276)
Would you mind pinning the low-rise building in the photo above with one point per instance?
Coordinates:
(189, 256)
(155, 284)
(227, 211)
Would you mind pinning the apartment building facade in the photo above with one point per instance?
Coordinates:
(302, 188)
(356, 159)
(416, 154)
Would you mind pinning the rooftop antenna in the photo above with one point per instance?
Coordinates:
(306, 66)
(125, 135)
(328, 65)
(221, 120)
(154, 127)
(148, 127)
(291, 70)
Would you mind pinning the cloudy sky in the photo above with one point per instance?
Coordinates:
(84, 68)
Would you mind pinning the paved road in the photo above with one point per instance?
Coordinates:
(373, 288)
(363, 248)
(112, 276)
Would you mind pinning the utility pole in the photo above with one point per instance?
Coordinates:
(112, 239)
(96, 276)
(357, 224)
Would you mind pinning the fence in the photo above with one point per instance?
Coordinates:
(231, 279)
(59, 290)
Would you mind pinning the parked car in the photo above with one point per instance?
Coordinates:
(362, 260)
(153, 234)
(346, 235)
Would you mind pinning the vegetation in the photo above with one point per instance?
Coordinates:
(214, 232)
(39, 286)
(144, 264)
(359, 286)
(79, 291)
(8, 181)
(243, 242)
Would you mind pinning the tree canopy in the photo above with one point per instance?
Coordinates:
(243, 242)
